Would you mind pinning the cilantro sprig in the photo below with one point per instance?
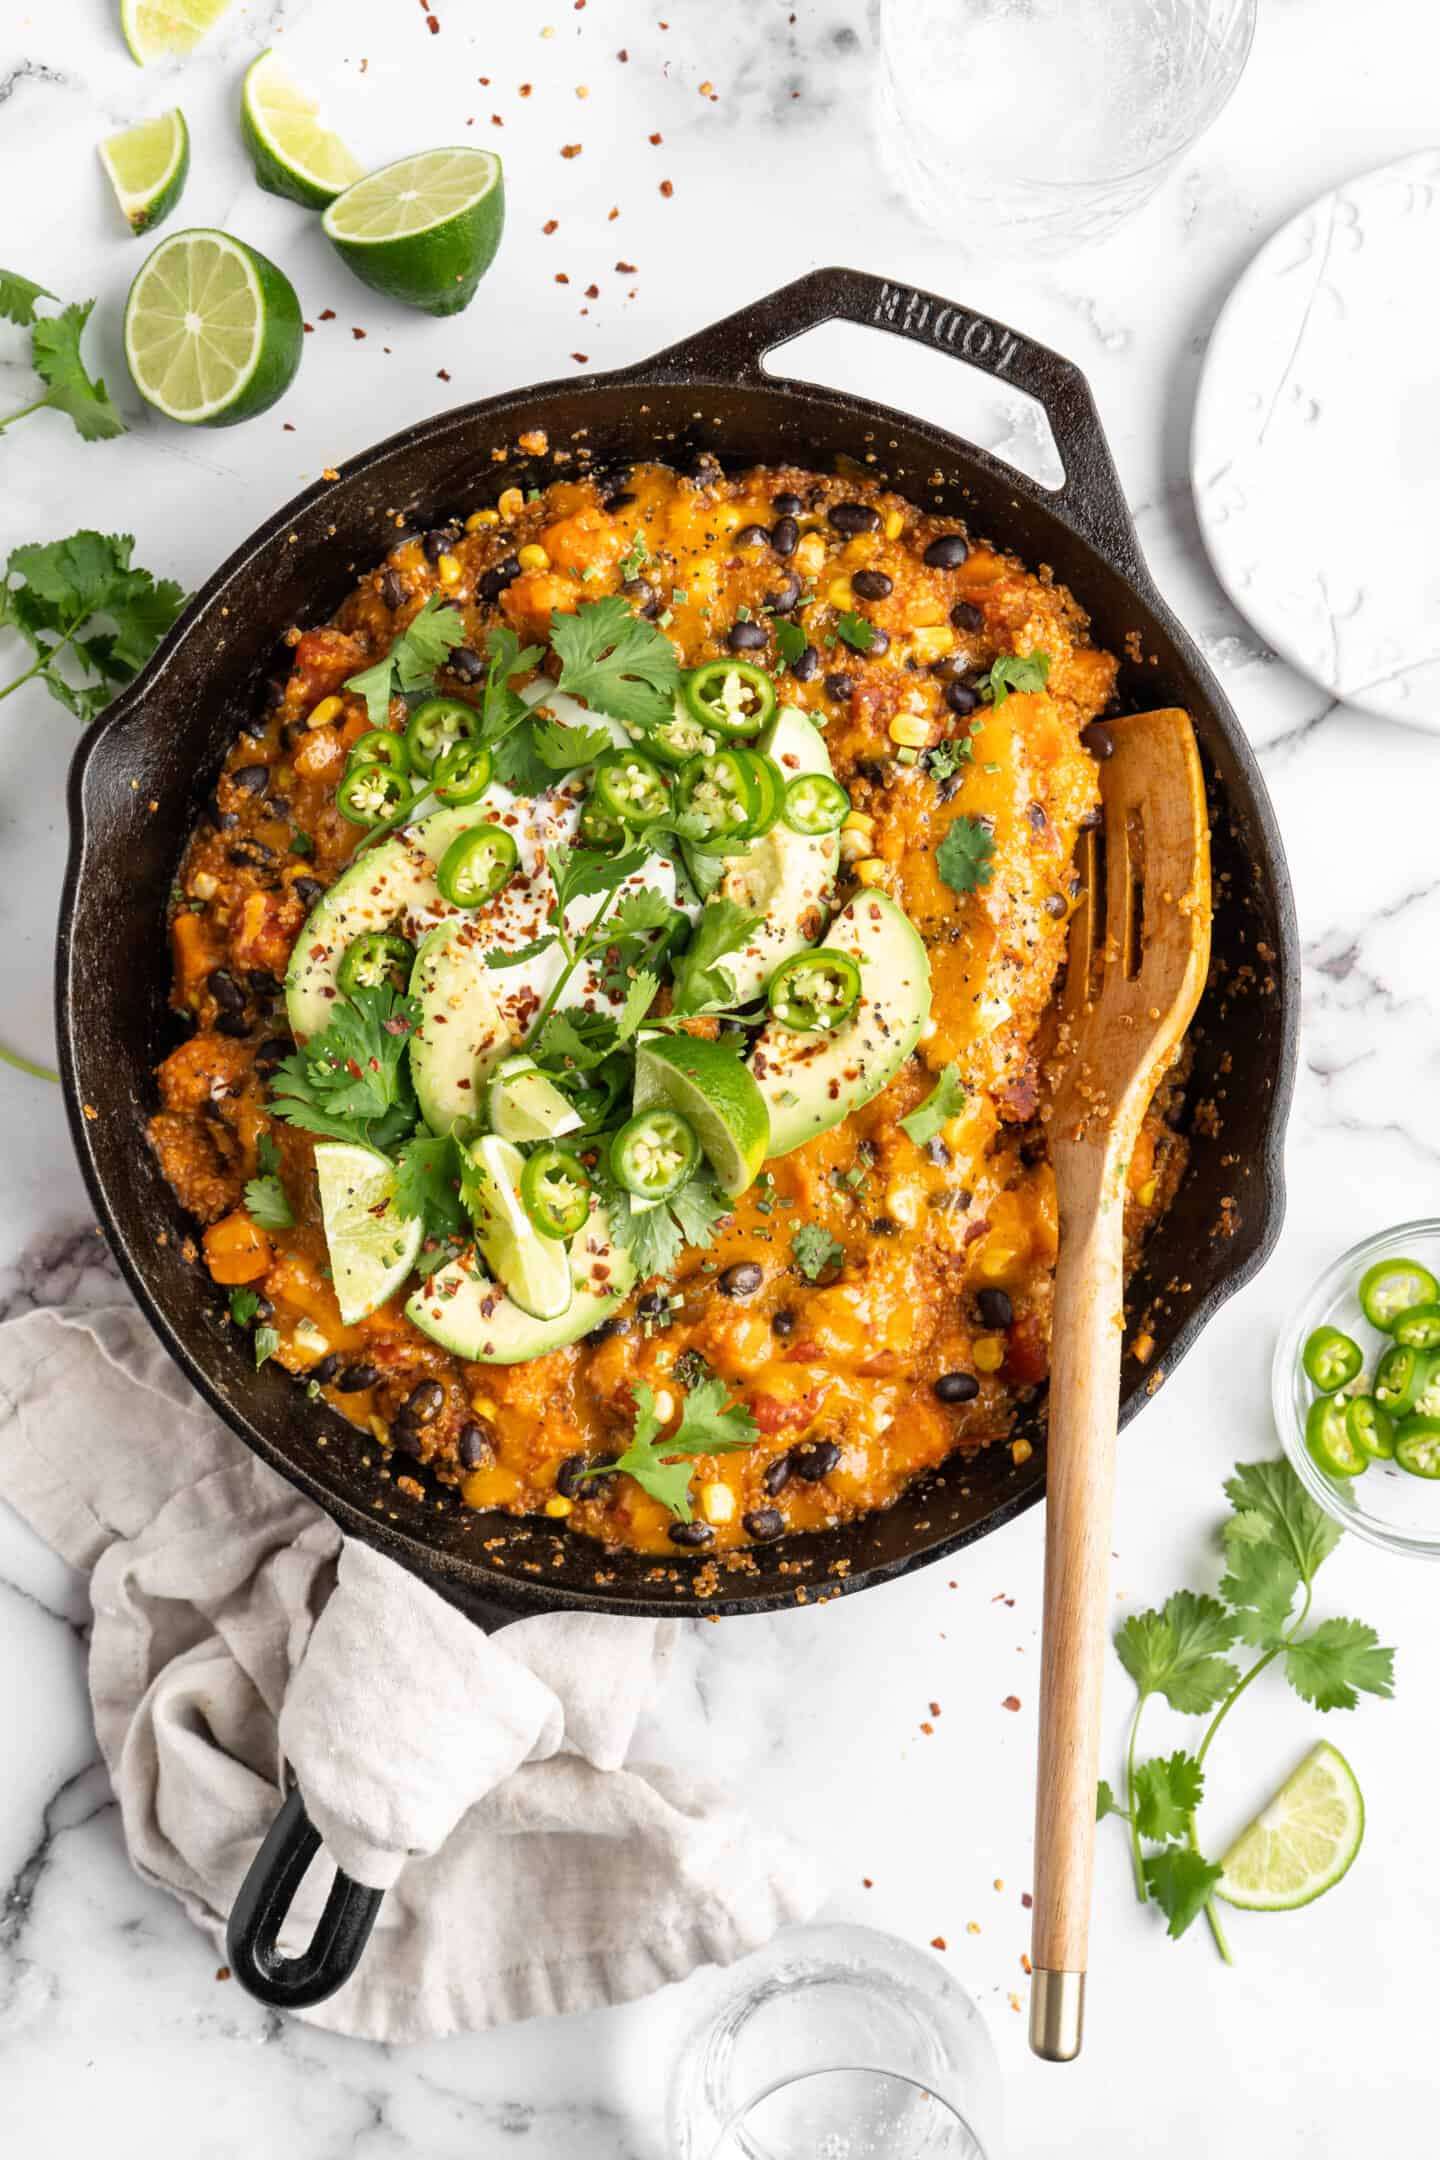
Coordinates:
(266, 1200)
(1275, 1541)
(815, 1252)
(412, 660)
(615, 662)
(944, 1100)
(965, 857)
(56, 359)
(661, 1464)
(1015, 671)
(352, 1081)
(80, 601)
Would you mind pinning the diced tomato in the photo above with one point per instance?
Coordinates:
(1027, 1359)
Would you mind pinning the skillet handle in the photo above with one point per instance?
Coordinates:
(1090, 497)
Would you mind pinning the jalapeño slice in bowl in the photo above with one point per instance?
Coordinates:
(1417, 1446)
(379, 957)
(1419, 1327)
(630, 786)
(719, 794)
(1392, 1287)
(461, 774)
(1330, 1359)
(655, 1154)
(476, 865)
(731, 697)
(1401, 1378)
(379, 747)
(814, 991)
(1329, 1441)
(1371, 1427)
(815, 804)
(555, 1192)
(374, 795)
(436, 726)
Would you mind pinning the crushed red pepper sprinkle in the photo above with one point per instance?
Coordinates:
(327, 314)
(626, 269)
(667, 188)
(571, 149)
(1011, 1702)
(551, 225)
(938, 1942)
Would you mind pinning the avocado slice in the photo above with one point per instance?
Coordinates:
(811, 1082)
(466, 1313)
(393, 879)
(786, 875)
(461, 1035)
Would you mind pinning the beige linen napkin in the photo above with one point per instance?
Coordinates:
(483, 1781)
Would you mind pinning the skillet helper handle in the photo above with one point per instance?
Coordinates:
(1090, 498)
(252, 1937)
(1080, 1478)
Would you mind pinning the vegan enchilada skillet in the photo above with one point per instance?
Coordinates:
(143, 775)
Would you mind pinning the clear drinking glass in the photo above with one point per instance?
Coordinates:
(836, 2043)
(1035, 126)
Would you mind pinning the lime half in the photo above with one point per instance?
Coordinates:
(1302, 1842)
(535, 1270)
(147, 167)
(372, 1249)
(212, 330)
(160, 29)
(425, 230)
(524, 1105)
(719, 1096)
(291, 153)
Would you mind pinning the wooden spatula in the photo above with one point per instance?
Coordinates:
(1139, 951)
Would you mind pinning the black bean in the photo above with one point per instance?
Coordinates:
(742, 1280)
(1098, 741)
(807, 667)
(436, 543)
(1056, 905)
(693, 1534)
(872, 584)
(782, 1323)
(644, 595)
(393, 589)
(326, 1370)
(785, 536)
(226, 991)
(764, 1524)
(654, 1310)
(272, 1052)
(777, 1475)
(951, 785)
(474, 1445)
(262, 982)
(789, 506)
(884, 1226)
(750, 536)
(406, 1437)
(494, 581)
(425, 1402)
(467, 663)
(274, 695)
(947, 553)
(227, 820)
(872, 770)
(853, 517)
(961, 698)
(937, 1152)
(839, 687)
(815, 1459)
(748, 637)
(781, 602)
(607, 1329)
(995, 1308)
(1036, 814)
(249, 852)
(619, 499)
(879, 641)
(567, 1477)
(955, 1387)
(253, 779)
(308, 890)
(356, 1378)
(966, 616)
(232, 1024)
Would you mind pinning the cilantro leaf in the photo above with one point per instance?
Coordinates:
(1271, 1493)
(1261, 1585)
(638, 913)
(1167, 1792)
(427, 1183)
(1180, 1881)
(1174, 1652)
(857, 633)
(266, 1204)
(81, 601)
(1015, 671)
(55, 354)
(244, 1304)
(713, 1423)
(518, 765)
(411, 660)
(352, 1081)
(655, 1237)
(1105, 1802)
(374, 684)
(267, 1342)
(562, 748)
(944, 1100)
(18, 296)
(1335, 1659)
(699, 1208)
(790, 638)
(521, 953)
(814, 1251)
(640, 996)
(964, 856)
(724, 927)
(615, 662)
(707, 1427)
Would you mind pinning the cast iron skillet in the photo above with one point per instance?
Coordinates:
(143, 772)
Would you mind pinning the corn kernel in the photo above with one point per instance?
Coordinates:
(664, 1405)
(989, 1353)
(840, 593)
(1020, 1452)
(328, 709)
(997, 1260)
(1147, 1192)
(558, 1507)
(810, 554)
(203, 886)
(894, 524)
(533, 557)
(859, 821)
(717, 1503)
(482, 1405)
(450, 569)
(870, 871)
(902, 1203)
(380, 1429)
(479, 519)
(511, 502)
(910, 729)
(853, 845)
(931, 641)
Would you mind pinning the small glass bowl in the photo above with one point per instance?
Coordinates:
(1385, 1505)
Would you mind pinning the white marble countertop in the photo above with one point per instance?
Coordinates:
(113, 2029)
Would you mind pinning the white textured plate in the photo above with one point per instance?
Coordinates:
(1316, 449)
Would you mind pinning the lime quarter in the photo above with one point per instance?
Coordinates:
(291, 153)
(708, 1084)
(1302, 1842)
(147, 166)
(213, 330)
(535, 1270)
(165, 29)
(424, 230)
(372, 1248)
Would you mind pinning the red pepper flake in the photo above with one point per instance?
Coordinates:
(551, 225)
(934, 1709)
(222, 1972)
(592, 292)
(926, 1726)
(1011, 1702)
(495, 120)
(622, 54)
(626, 269)
(937, 1942)
(443, 374)
(657, 139)
(667, 188)
(571, 149)
(1025, 1965)
(484, 81)
(526, 88)
(1026, 1900)
(288, 426)
(308, 328)
(327, 314)
(868, 1884)
(356, 333)
(612, 215)
(582, 357)
(561, 277)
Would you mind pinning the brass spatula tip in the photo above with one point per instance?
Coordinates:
(1057, 2015)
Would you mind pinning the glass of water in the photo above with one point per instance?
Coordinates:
(1035, 126)
(836, 2043)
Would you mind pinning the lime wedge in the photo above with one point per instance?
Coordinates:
(1302, 1842)
(160, 29)
(719, 1096)
(291, 153)
(372, 1249)
(424, 231)
(212, 330)
(524, 1105)
(535, 1270)
(147, 167)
